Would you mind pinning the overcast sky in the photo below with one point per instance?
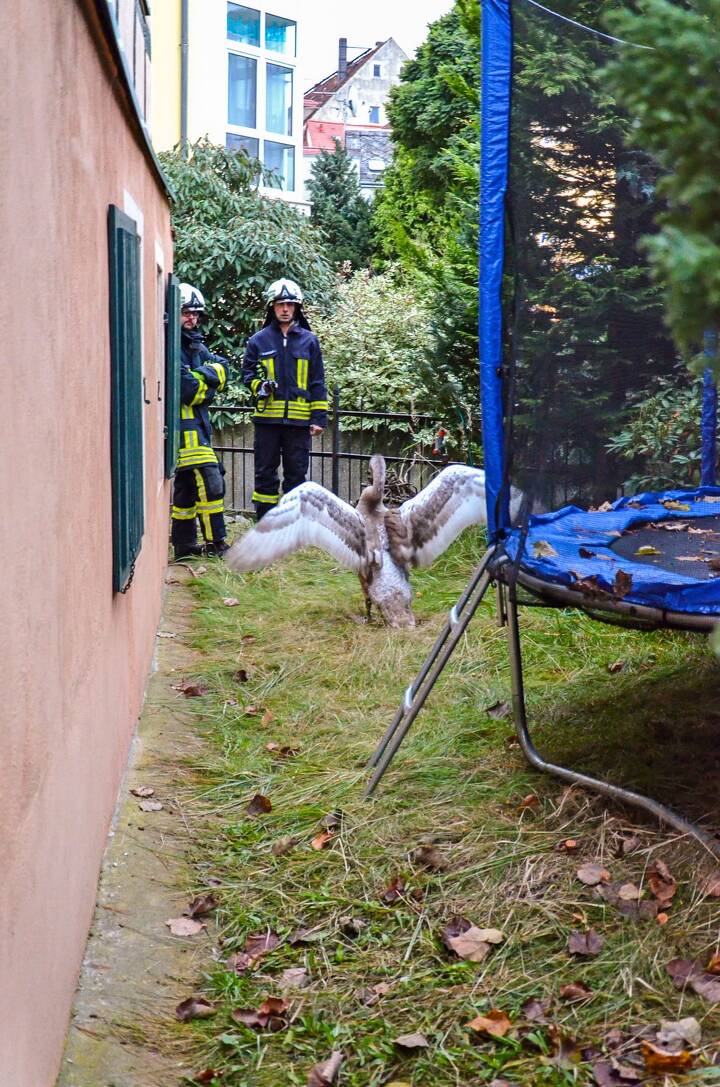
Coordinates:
(363, 22)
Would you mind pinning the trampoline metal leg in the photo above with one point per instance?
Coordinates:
(418, 691)
(615, 792)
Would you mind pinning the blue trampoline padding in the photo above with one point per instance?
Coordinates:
(570, 528)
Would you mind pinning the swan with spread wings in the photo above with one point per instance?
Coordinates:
(379, 544)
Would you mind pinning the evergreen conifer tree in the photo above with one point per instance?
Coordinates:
(338, 208)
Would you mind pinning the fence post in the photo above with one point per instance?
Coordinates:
(336, 441)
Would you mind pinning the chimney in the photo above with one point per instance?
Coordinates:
(342, 58)
(378, 44)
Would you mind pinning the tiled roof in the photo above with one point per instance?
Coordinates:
(326, 88)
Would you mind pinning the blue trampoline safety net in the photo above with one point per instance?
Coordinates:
(587, 407)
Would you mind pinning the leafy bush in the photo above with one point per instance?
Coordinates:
(378, 347)
(231, 242)
(662, 437)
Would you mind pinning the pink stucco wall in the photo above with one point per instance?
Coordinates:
(74, 657)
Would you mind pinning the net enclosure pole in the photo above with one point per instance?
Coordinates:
(708, 426)
(496, 61)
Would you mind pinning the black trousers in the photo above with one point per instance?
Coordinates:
(197, 495)
(275, 442)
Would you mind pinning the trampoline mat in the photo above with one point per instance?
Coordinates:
(690, 549)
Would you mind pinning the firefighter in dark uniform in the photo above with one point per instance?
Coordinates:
(199, 483)
(283, 368)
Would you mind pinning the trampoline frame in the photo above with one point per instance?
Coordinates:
(497, 566)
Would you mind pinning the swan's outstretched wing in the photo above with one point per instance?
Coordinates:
(309, 516)
(451, 502)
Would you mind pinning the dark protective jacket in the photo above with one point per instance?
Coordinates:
(202, 375)
(295, 363)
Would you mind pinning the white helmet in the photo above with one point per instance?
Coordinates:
(191, 298)
(283, 290)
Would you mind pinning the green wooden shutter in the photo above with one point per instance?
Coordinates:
(126, 396)
(172, 375)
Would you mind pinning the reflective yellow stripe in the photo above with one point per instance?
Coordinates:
(255, 385)
(211, 507)
(318, 405)
(202, 506)
(189, 457)
(268, 499)
(181, 513)
(186, 412)
(220, 371)
(302, 373)
(202, 390)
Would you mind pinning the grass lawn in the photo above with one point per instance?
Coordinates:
(363, 897)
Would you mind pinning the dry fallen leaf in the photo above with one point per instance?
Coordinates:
(671, 504)
(143, 790)
(673, 1035)
(165, 634)
(284, 845)
(184, 926)
(543, 550)
(321, 840)
(195, 1007)
(267, 718)
(427, 856)
(202, 905)
(325, 1074)
(150, 805)
(495, 1023)
(394, 891)
(411, 1041)
(615, 667)
(592, 874)
(569, 845)
(256, 945)
(585, 944)
(713, 966)
(498, 710)
(529, 803)
(259, 805)
(269, 1016)
(658, 1060)
(241, 675)
(296, 977)
(614, 1074)
(628, 892)
(474, 944)
(207, 1076)
(648, 549)
(685, 972)
(372, 996)
(622, 584)
(711, 885)
(661, 884)
(574, 990)
(190, 690)
(535, 1010)
(230, 601)
(250, 711)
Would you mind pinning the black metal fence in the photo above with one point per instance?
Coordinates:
(340, 455)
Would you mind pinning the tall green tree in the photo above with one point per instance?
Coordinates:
(427, 215)
(339, 210)
(672, 91)
(231, 242)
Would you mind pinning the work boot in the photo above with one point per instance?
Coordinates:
(190, 552)
(217, 548)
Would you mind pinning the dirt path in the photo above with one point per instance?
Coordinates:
(134, 971)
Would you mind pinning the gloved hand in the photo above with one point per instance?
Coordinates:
(267, 388)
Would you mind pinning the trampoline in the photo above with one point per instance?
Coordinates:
(572, 336)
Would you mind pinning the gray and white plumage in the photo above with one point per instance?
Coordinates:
(379, 544)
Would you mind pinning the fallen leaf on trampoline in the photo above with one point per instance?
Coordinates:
(586, 553)
(592, 874)
(714, 565)
(709, 498)
(671, 504)
(498, 710)
(623, 583)
(648, 549)
(605, 508)
(689, 558)
(543, 550)
(674, 526)
(585, 944)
